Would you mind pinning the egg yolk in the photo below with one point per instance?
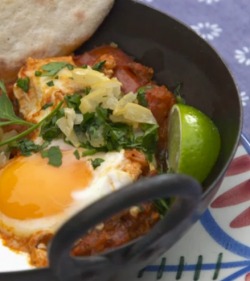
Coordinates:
(30, 188)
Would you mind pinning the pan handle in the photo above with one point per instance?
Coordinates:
(180, 217)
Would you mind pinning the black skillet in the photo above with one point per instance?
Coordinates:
(177, 54)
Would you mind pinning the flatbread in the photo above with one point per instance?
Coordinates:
(45, 28)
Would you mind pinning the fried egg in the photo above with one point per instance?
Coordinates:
(35, 196)
(40, 93)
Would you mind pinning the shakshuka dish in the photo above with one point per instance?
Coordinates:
(74, 129)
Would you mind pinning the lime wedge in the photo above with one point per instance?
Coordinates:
(194, 142)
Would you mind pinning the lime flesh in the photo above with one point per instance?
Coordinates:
(194, 142)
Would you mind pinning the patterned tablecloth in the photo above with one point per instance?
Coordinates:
(226, 25)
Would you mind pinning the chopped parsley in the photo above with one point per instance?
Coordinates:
(177, 90)
(27, 146)
(99, 66)
(141, 95)
(50, 84)
(53, 68)
(97, 162)
(23, 84)
(87, 91)
(77, 155)
(38, 73)
(89, 152)
(73, 101)
(49, 129)
(47, 105)
(7, 111)
(162, 206)
(114, 45)
(54, 154)
(70, 66)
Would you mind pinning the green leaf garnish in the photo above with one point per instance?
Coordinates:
(53, 68)
(163, 206)
(97, 162)
(49, 128)
(27, 146)
(50, 84)
(73, 101)
(99, 66)
(114, 45)
(54, 154)
(178, 97)
(23, 84)
(70, 66)
(141, 95)
(47, 105)
(87, 91)
(38, 73)
(77, 155)
(7, 111)
(150, 138)
(89, 152)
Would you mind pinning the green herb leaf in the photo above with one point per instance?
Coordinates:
(77, 155)
(102, 112)
(162, 205)
(7, 111)
(27, 146)
(114, 45)
(53, 68)
(38, 73)
(88, 117)
(70, 66)
(47, 105)
(177, 90)
(49, 129)
(99, 66)
(150, 138)
(2, 87)
(73, 101)
(180, 99)
(84, 66)
(54, 154)
(23, 84)
(89, 152)
(87, 91)
(97, 162)
(33, 126)
(141, 95)
(50, 84)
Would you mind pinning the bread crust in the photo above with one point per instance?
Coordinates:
(45, 28)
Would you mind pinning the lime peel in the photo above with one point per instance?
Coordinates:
(194, 142)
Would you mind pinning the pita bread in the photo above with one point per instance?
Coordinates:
(45, 28)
